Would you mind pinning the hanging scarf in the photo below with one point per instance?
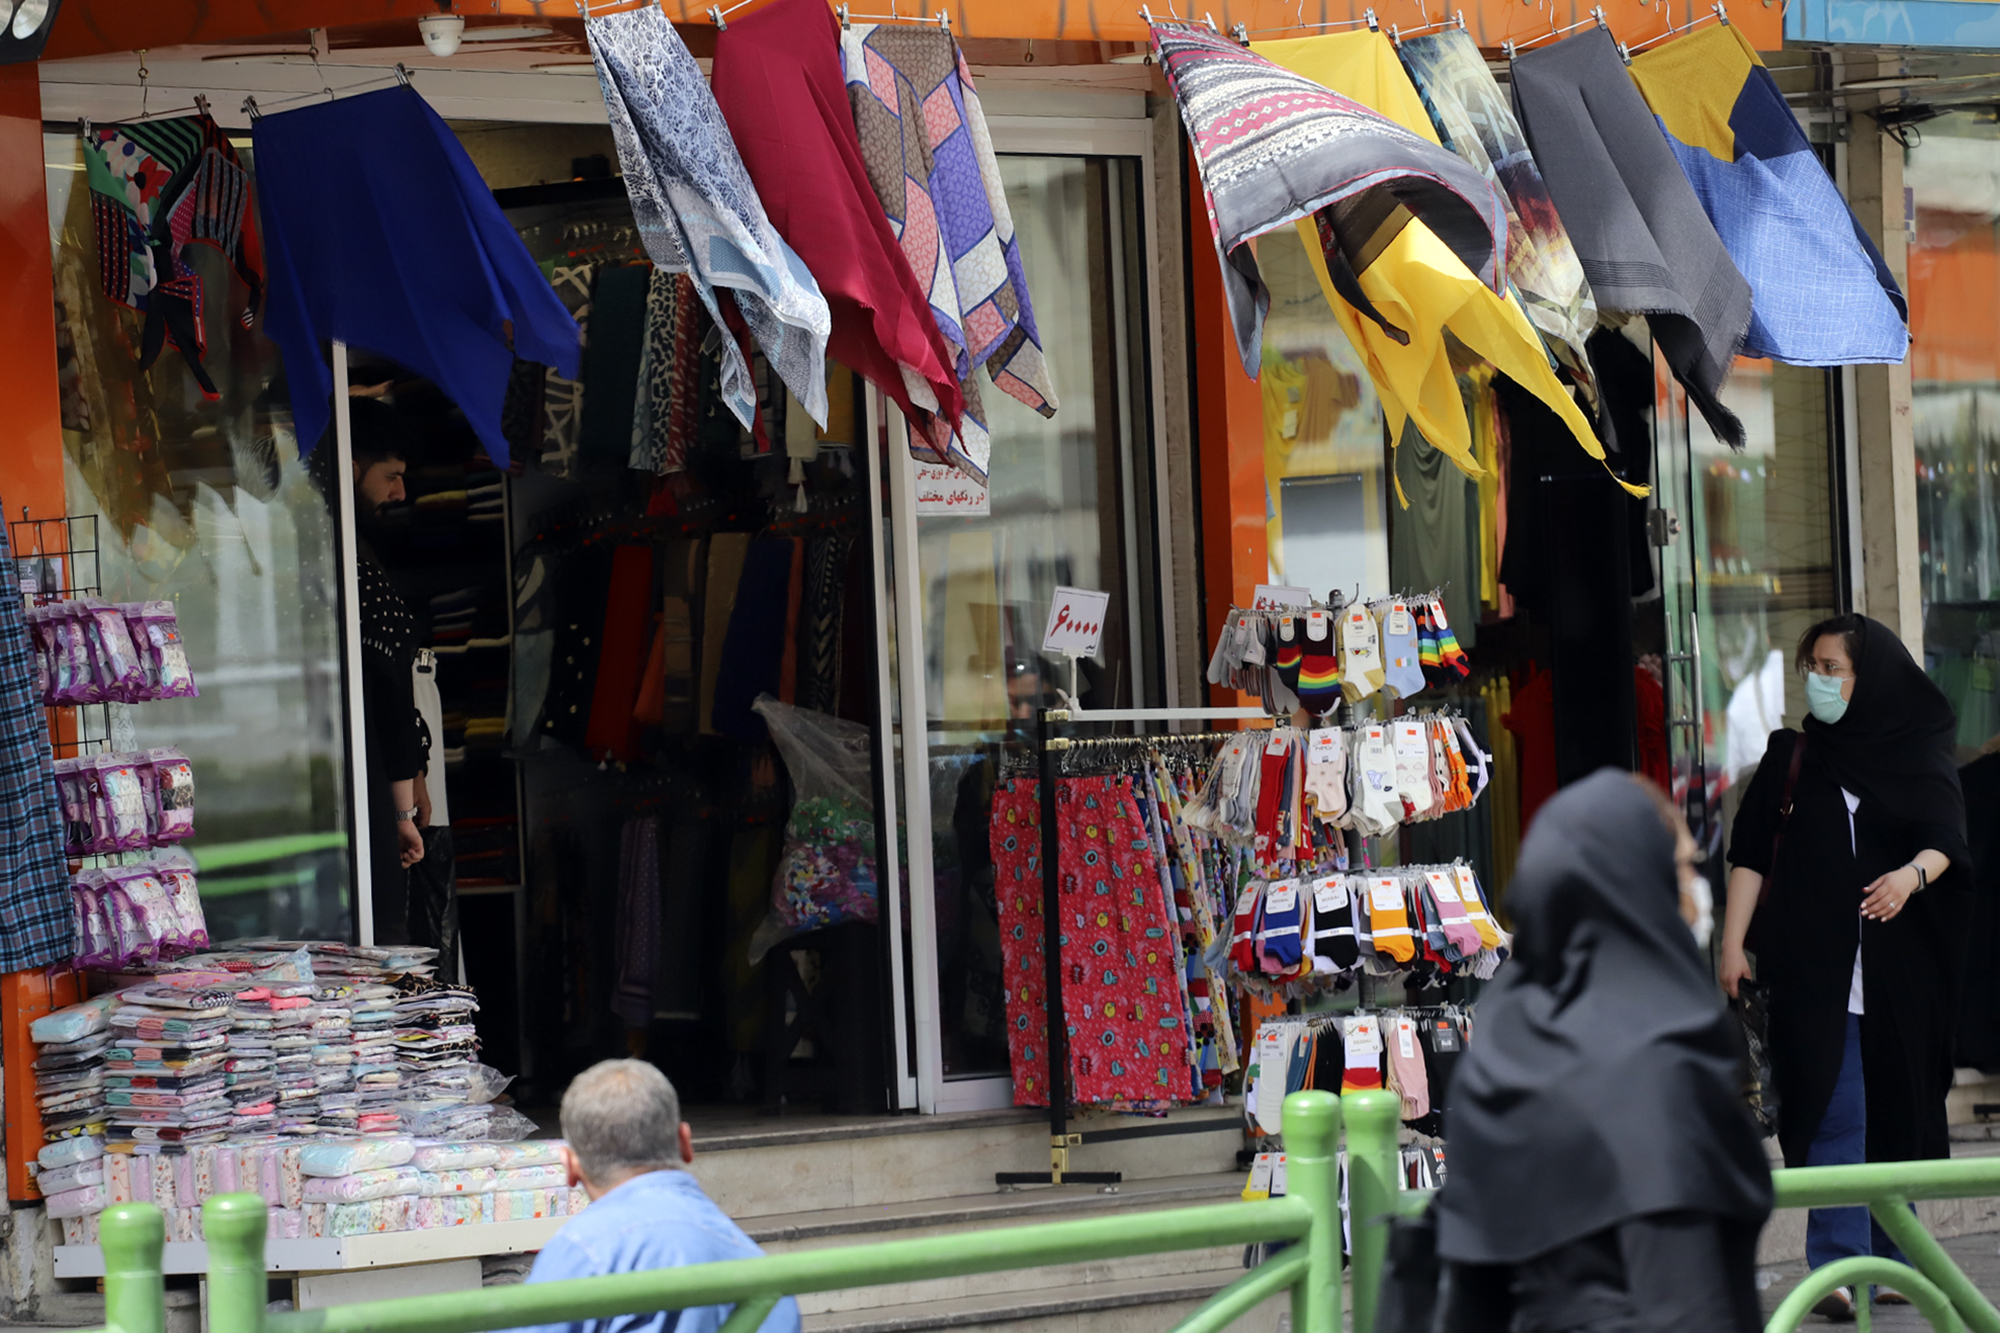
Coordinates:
(155, 187)
(404, 253)
(1274, 147)
(930, 158)
(1417, 285)
(1823, 296)
(1605, 1083)
(698, 212)
(777, 78)
(1639, 231)
(1474, 120)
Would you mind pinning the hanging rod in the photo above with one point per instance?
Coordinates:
(942, 18)
(1457, 20)
(1368, 17)
(1153, 20)
(1717, 12)
(1152, 714)
(1595, 16)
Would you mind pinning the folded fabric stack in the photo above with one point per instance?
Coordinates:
(272, 1029)
(163, 1072)
(377, 1076)
(436, 1048)
(69, 1069)
(333, 1060)
(70, 1174)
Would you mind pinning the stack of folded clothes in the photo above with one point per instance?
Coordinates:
(163, 1072)
(274, 1022)
(69, 1069)
(437, 1047)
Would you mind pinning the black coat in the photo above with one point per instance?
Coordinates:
(1804, 937)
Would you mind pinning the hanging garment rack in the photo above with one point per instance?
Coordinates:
(400, 74)
(1457, 20)
(1716, 12)
(1061, 1139)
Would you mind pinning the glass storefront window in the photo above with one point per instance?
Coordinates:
(1954, 176)
(205, 504)
(1071, 504)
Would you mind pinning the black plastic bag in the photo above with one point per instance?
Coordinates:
(1752, 1007)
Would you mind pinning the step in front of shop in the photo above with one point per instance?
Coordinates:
(888, 1161)
(1140, 1305)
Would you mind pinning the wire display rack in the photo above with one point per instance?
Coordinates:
(56, 560)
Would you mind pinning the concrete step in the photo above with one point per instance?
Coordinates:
(943, 1217)
(776, 1167)
(1139, 1305)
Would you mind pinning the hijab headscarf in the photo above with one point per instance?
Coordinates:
(1893, 746)
(1605, 1082)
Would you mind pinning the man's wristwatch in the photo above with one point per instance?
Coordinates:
(408, 816)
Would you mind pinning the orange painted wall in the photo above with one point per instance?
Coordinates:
(1229, 434)
(92, 27)
(31, 470)
(1954, 299)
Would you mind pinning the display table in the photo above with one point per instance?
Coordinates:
(382, 1249)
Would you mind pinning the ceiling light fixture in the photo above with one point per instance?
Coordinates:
(26, 30)
(441, 33)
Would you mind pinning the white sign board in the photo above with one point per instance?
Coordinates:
(1280, 596)
(1076, 620)
(943, 489)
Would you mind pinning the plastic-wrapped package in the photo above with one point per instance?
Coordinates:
(161, 1167)
(427, 1215)
(124, 827)
(454, 1156)
(485, 1083)
(66, 1178)
(184, 1224)
(75, 804)
(120, 672)
(154, 910)
(361, 1185)
(533, 1178)
(73, 1023)
(291, 1178)
(346, 1157)
(315, 1214)
(184, 892)
(174, 782)
(465, 1180)
(285, 1224)
(77, 1202)
(160, 635)
(118, 1177)
(826, 872)
(537, 1152)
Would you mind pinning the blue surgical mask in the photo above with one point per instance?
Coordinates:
(1823, 697)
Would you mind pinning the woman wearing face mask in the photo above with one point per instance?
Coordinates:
(1605, 1173)
(1846, 850)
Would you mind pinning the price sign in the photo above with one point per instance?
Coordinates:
(1281, 597)
(1076, 620)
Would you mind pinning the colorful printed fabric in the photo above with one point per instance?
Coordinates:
(1820, 293)
(562, 395)
(653, 422)
(1475, 120)
(157, 186)
(1274, 147)
(1416, 287)
(930, 158)
(698, 212)
(36, 922)
(1017, 890)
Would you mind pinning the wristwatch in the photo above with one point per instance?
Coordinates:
(408, 816)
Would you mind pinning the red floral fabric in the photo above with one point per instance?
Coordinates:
(1121, 1002)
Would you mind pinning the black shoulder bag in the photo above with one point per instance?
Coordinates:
(1752, 1004)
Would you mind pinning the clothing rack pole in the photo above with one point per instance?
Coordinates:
(1061, 1140)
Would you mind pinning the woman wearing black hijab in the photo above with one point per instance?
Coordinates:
(1854, 937)
(1604, 1170)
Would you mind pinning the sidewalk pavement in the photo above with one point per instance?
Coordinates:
(1978, 1255)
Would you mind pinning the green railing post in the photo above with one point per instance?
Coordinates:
(1372, 1182)
(233, 1225)
(1929, 1258)
(135, 1291)
(1312, 1136)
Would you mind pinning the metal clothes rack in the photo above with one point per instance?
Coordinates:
(1061, 1139)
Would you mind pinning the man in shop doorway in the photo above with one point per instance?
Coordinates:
(627, 1147)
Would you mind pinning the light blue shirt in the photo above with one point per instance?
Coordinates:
(657, 1220)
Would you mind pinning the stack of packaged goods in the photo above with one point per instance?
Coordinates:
(377, 1077)
(71, 1048)
(272, 1025)
(437, 1048)
(163, 1072)
(333, 1061)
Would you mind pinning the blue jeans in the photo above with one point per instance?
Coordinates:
(1844, 1233)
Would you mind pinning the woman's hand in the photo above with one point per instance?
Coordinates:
(1888, 895)
(1735, 968)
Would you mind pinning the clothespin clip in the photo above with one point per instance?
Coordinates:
(1722, 13)
(1395, 35)
(1598, 14)
(1460, 16)
(1242, 35)
(1374, 25)
(1209, 19)
(1624, 54)
(250, 109)
(402, 74)
(1147, 15)
(842, 11)
(1507, 50)
(201, 104)
(944, 19)
(82, 132)
(715, 17)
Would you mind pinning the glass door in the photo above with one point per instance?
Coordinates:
(970, 572)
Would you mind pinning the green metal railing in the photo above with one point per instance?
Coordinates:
(1309, 1268)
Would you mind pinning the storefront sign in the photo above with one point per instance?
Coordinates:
(1279, 596)
(943, 489)
(1076, 619)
